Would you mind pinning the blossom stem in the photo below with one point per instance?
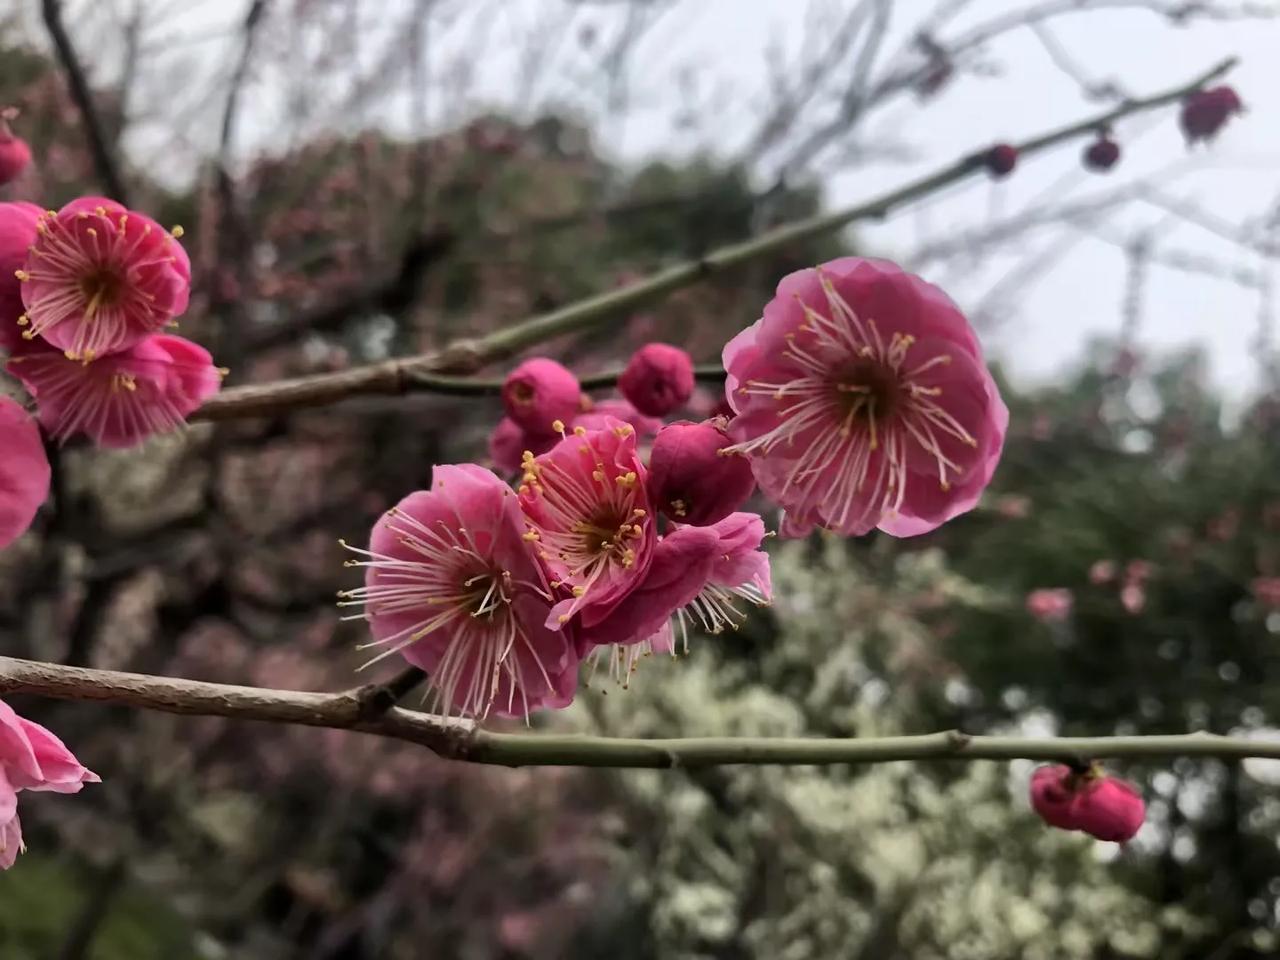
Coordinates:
(464, 740)
(402, 375)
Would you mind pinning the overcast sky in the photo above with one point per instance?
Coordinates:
(1079, 290)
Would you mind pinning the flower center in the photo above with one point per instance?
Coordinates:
(101, 288)
(606, 534)
(484, 594)
(522, 393)
(868, 391)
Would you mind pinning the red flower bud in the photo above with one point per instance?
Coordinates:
(1001, 159)
(538, 393)
(1206, 111)
(1102, 154)
(690, 480)
(658, 379)
(14, 157)
(1099, 805)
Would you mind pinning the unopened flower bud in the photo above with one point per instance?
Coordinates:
(539, 392)
(658, 379)
(1001, 159)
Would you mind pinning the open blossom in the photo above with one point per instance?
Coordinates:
(538, 393)
(658, 379)
(24, 471)
(691, 480)
(863, 401)
(31, 758)
(1090, 801)
(17, 233)
(120, 399)
(698, 575)
(587, 509)
(99, 278)
(1050, 605)
(452, 585)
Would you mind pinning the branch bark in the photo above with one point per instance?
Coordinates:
(399, 376)
(466, 740)
(104, 160)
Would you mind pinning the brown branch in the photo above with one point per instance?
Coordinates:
(104, 160)
(398, 376)
(465, 740)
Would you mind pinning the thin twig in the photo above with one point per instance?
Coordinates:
(397, 376)
(104, 160)
(465, 740)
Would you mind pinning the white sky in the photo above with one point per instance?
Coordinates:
(1077, 295)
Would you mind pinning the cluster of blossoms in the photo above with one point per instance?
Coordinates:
(85, 293)
(859, 400)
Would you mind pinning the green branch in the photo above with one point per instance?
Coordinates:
(393, 377)
(369, 709)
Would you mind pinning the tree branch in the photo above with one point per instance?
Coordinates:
(465, 740)
(402, 375)
(104, 160)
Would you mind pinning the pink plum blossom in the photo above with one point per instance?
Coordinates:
(1090, 801)
(31, 758)
(540, 392)
(120, 399)
(698, 575)
(586, 504)
(658, 379)
(452, 585)
(1050, 605)
(863, 401)
(99, 278)
(691, 479)
(17, 233)
(24, 471)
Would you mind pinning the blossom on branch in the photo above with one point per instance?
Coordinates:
(99, 278)
(120, 399)
(452, 584)
(587, 507)
(863, 401)
(31, 758)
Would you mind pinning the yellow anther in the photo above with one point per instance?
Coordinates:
(177, 232)
(579, 591)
